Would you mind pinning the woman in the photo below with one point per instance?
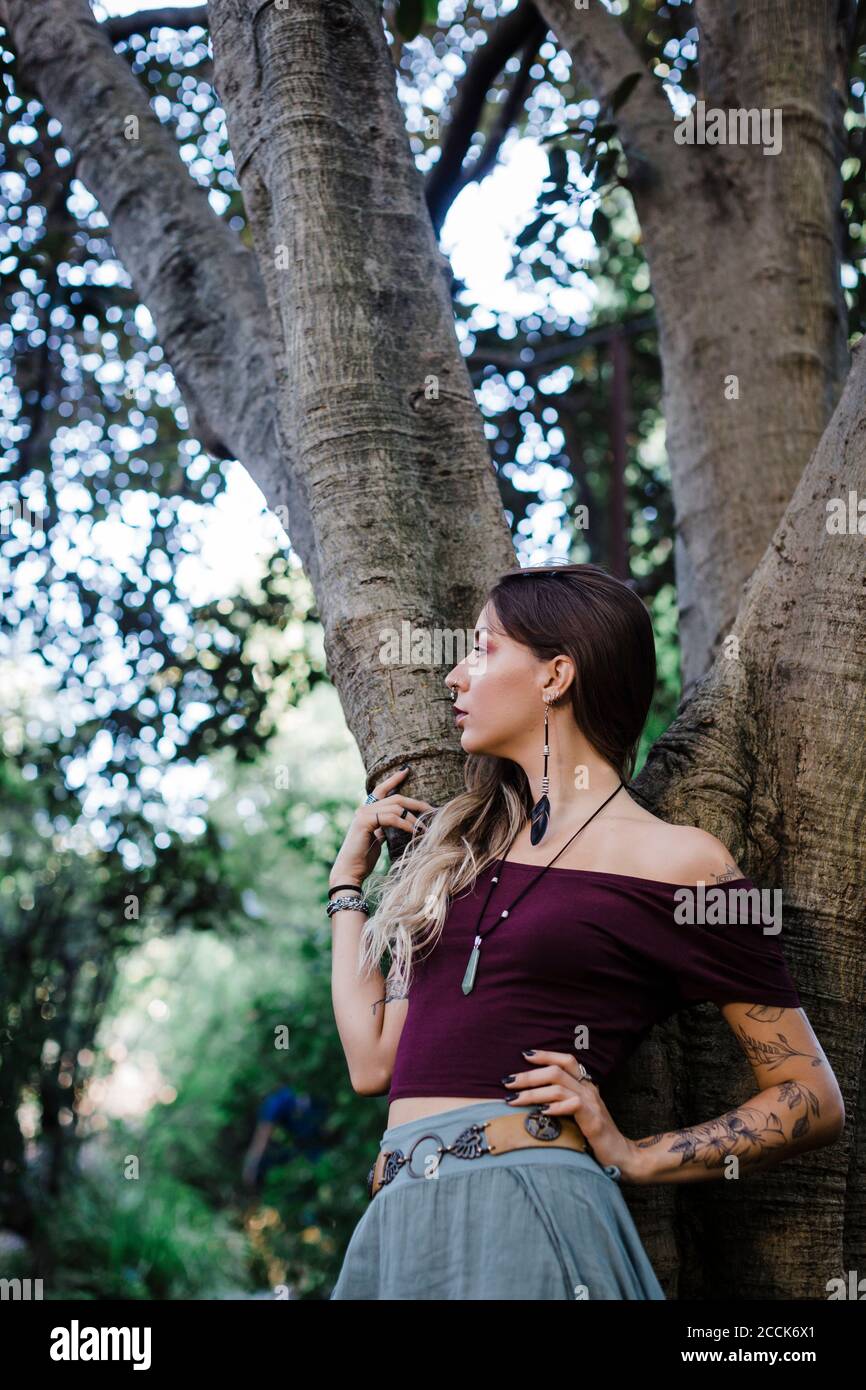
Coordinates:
(518, 984)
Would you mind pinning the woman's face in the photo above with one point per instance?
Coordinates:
(499, 686)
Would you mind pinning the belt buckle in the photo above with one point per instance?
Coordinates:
(543, 1127)
(468, 1144)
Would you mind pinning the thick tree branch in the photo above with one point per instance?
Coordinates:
(200, 283)
(123, 26)
(561, 349)
(374, 392)
(510, 109)
(506, 37)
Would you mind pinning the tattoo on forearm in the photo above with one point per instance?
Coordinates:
(748, 1132)
(771, 1054)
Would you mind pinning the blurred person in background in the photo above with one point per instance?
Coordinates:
(300, 1116)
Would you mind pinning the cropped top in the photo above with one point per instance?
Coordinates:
(587, 964)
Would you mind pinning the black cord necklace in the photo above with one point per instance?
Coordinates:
(472, 966)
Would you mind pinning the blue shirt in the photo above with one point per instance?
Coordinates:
(299, 1115)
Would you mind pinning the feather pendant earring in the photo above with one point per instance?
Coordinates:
(540, 815)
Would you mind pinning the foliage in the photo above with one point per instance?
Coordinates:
(130, 679)
(153, 1239)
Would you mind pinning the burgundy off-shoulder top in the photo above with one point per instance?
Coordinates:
(587, 963)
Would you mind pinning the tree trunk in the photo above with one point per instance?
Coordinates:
(744, 254)
(393, 465)
(770, 755)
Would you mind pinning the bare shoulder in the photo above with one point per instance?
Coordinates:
(638, 842)
(692, 855)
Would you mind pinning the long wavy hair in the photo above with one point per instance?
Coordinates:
(600, 622)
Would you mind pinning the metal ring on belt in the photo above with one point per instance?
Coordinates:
(505, 1132)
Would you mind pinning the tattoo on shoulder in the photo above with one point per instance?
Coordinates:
(726, 875)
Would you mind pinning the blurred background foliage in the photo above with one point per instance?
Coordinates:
(175, 774)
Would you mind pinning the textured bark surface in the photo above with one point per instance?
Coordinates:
(743, 250)
(770, 755)
(372, 390)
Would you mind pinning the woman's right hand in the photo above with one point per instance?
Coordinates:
(363, 843)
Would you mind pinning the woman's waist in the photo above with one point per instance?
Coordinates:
(408, 1109)
(485, 1132)
(450, 1122)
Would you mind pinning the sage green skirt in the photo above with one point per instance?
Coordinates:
(531, 1224)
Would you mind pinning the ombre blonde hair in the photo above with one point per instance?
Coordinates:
(600, 622)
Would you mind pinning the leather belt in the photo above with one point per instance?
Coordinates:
(495, 1136)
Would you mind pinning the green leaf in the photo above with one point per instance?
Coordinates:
(409, 18)
(607, 163)
(589, 156)
(530, 232)
(558, 162)
(600, 225)
(623, 90)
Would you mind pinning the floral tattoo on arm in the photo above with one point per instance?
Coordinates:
(751, 1132)
(771, 1054)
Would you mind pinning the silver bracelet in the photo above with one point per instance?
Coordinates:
(347, 904)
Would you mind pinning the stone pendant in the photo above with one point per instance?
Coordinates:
(472, 968)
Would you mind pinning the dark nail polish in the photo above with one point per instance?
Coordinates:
(529, 1052)
(404, 768)
(506, 1079)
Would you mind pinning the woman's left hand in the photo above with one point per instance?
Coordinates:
(555, 1083)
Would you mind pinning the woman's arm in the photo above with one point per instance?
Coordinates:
(369, 1013)
(799, 1107)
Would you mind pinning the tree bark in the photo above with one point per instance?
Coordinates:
(744, 254)
(770, 755)
(393, 465)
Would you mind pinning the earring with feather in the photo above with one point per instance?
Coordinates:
(540, 815)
